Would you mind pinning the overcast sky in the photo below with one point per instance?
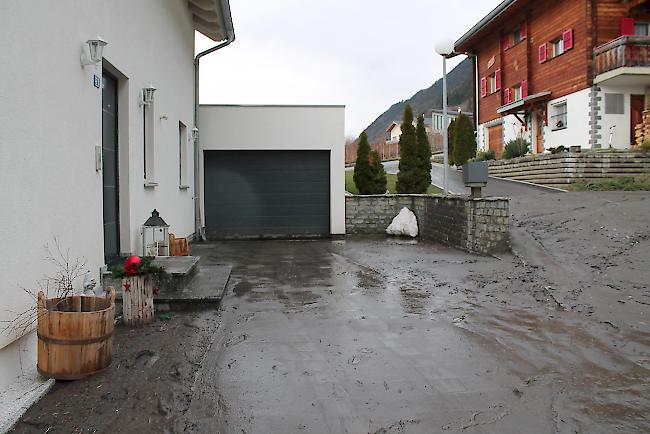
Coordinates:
(364, 54)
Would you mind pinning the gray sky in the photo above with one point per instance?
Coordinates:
(365, 54)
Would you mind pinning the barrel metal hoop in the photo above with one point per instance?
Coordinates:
(55, 341)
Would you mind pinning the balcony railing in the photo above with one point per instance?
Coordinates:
(626, 51)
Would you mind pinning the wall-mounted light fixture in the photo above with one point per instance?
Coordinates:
(95, 51)
(195, 134)
(147, 94)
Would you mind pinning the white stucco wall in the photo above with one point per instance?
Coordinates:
(577, 131)
(513, 129)
(225, 127)
(621, 138)
(51, 120)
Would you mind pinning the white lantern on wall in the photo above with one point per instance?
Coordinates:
(155, 236)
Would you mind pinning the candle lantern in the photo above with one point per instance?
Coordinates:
(155, 236)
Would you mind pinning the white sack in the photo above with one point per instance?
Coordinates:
(404, 223)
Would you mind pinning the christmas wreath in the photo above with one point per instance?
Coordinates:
(140, 266)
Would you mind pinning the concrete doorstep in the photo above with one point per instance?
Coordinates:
(191, 284)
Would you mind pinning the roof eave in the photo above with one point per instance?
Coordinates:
(461, 43)
(212, 18)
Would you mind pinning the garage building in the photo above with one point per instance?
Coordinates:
(272, 171)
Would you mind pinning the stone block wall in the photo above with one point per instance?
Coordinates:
(476, 225)
(567, 168)
(373, 214)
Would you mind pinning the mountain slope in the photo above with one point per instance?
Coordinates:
(460, 90)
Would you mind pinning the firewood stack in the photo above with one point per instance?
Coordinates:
(642, 130)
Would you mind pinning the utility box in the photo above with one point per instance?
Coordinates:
(475, 176)
(475, 172)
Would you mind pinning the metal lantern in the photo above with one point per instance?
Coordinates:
(155, 236)
(96, 48)
(147, 94)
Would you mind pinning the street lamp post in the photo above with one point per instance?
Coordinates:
(445, 48)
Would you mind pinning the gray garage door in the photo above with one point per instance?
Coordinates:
(267, 194)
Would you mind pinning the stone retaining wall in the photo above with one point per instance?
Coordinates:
(475, 225)
(562, 170)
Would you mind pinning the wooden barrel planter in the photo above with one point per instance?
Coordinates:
(137, 301)
(75, 335)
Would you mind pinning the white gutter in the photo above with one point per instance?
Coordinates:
(230, 37)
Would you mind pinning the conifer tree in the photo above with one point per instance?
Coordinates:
(362, 175)
(450, 141)
(408, 163)
(423, 152)
(464, 140)
(377, 174)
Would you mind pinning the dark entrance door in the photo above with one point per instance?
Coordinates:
(539, 136)
(636, 114)
(495, 139)
(267, 194)
(110, 168)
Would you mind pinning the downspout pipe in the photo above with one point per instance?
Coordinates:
(476, 86)
(199, 233)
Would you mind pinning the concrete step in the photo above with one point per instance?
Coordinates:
(191, 284)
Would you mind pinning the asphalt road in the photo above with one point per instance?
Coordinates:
(495, 187)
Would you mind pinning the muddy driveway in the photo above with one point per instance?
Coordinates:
(377, 335)
(373, 335)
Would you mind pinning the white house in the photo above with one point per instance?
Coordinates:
(393, 132)
(82, 159)
(97, 131)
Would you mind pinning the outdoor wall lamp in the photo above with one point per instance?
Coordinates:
(95, 51)
(147, 94)
(195, 134)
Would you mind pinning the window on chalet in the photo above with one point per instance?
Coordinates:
(559, 116)
(516, 93)
(516, 35)
(614, 104)
(557, 47)
(641, 29)
(491, 84)
(513, 38)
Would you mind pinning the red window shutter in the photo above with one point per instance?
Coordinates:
(627, 26)
(505, 42)
(483, 87)
(567, 36)
(542, 53)
(506, 96)
(524, 88)
(523, 32)
(497, 79)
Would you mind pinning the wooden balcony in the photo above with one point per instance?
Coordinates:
(623, 52)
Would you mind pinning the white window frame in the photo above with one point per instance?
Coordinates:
(492, 84)
(183, 143)
(149, 163)
(557, 47)
(559, 118)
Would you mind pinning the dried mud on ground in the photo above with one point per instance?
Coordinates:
(147, 389)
